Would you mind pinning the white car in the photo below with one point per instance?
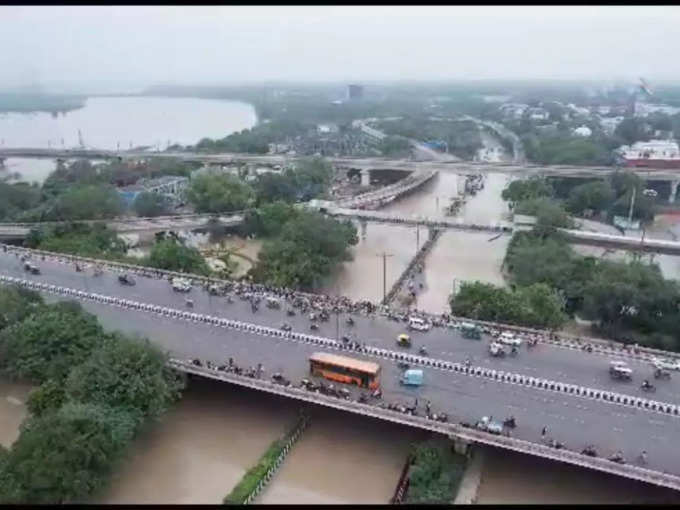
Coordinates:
(181, 285)
(418, 324)
(508, 338)
(666, 364)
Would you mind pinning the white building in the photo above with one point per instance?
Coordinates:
(654, 149)
(583, 131)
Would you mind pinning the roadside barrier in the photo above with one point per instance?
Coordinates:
(449, 429)
(494, 375)
(599, 346)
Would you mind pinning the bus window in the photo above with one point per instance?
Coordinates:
(345, 370)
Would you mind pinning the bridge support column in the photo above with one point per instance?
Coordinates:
(365, 178)
(461, 446)
(364, 225)
(674, 191)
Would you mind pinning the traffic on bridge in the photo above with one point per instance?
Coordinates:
(558, 395)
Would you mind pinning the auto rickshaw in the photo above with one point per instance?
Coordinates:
(404, 340)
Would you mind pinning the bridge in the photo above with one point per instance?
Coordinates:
(128, 225)
(521, 169)
(556, 384)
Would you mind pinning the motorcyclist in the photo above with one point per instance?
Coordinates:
(468, 362)
(646, 384)
(422, 351)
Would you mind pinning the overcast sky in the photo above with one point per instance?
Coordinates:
(148, 45)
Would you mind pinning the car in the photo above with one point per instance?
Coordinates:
(666, 364)
(181, 285)
(418, 324)
(124, 279)
(620, 370)
(508, 338)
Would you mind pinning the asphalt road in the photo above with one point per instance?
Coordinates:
(544, 361)
(572, 420)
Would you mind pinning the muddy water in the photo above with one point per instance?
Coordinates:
(13, 410)
(362, 278)
(514, 478)
(201, 448)
(343, 458)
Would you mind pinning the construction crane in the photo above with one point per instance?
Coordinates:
(643, 87)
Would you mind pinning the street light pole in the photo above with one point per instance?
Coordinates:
(384, 256)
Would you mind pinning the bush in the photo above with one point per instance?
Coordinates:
(216, 193)
(149, 204)
(173, 255)
(435, 474)
(63, 457)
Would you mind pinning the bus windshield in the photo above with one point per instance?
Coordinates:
(364, 374)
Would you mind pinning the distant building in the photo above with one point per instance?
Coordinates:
(583, 131)
(326, 129)
(609, 124)
(355, 92)
(655, 154)
(538, 114)
(513, 110)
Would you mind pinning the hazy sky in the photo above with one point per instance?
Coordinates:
(147, 45)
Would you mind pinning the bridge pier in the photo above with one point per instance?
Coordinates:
(674, 190)
(365, 178)
(461, 446)
(364, 225)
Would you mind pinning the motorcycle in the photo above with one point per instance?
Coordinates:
(648, 388)
(422, 351)
(290, 312)
(313, 326)
(189, 303)
(349, 321)
(510, 422)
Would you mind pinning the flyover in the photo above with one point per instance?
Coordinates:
(567, 390)
(522, 169)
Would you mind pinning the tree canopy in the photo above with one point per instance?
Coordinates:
(88, 202)
(527, 189)
(173, 255)
(148, 204)
(215, 193)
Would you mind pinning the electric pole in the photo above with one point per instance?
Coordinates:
(384, 256)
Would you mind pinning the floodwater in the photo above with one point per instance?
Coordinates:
(201, 448)
(13, 410)
(362, 278)
(515, 478)
(343, 458)
(124, 123)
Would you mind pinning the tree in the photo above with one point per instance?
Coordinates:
(549, 213)
(65, 456)
(17, 198)
(49, 396)
(312, 177)
(269, 219)
(49, 342)
(271, 187)
(214, 193)
(518, 191)
(395, 146)
(127, 374)
(88, 203)
(633, 129)
(17, 303)
(173, 255)
(597, 196)
(79, 239)
(149, 204)
(306, 250)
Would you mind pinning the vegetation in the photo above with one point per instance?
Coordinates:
(536, 305)
(216, 193)
(306, 249)
(255, 140)
(97, 391)
(173, 255)
(39, 102)
(435, 474)
(527, 189)
(626, 300)
(268, 219)
(148, 205)
(395, 147)
(252, 477)
(96, 241)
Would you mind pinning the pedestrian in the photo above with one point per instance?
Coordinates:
(544, 431)
(415, 404)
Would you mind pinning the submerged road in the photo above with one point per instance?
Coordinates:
(544, 361)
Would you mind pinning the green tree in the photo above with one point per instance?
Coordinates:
(633, 129)
(268, 219)
(597, 196)
(521, 190)
(312, 177)
(65, 456)
(306, 250)
(174, 255)
(49, 396)
(271, 187)
(88, 203)
(214, 193)
(48, 343)
(127, 374)
(17, 303)
(148, 205)
(549, 213)
(78, 239)
(395, 146)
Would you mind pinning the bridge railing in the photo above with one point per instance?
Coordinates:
(151, 219)
(602, 346)
(449, 429)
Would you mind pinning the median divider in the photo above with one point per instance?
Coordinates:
(256, 479)
(600, 346)
(507, 377)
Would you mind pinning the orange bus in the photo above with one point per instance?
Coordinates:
(364, 374)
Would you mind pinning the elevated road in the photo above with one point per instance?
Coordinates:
(575, 419)
(521, 169)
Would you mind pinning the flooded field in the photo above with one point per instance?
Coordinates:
(514, 478)
(13, 410)
(343, 458)
(201, 448)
